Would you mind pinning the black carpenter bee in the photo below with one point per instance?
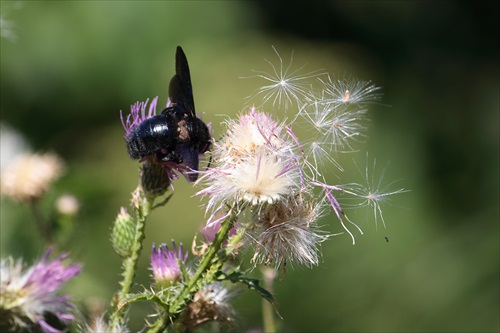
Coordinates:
(176, 135)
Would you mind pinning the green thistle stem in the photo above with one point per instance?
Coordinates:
(267, 308)
(207, 264)
(143, 208)
(234, 241)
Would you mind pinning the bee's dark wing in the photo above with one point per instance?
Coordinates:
(190, 159)
(180, 89)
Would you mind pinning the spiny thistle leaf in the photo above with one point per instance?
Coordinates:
(253, 284)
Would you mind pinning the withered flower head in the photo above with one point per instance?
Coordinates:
(29, 176)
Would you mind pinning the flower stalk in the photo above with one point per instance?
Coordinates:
(269, 323)
(142, 205)
(42, 224)
(209, 265)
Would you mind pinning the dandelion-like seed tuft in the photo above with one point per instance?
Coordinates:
(286, 86)
(288, 234)
(375, 193)
(253, 163)
(350, 91)
(211, 303)
(29, 176)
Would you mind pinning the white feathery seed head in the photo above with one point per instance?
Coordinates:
(288, 233)
(350, 91)
(285, 85)
(253, 163)
(264, 167)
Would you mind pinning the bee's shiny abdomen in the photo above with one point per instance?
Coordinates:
(150, 136)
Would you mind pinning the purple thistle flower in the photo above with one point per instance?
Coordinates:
(138, 114)
(27, 297)
(165, 263)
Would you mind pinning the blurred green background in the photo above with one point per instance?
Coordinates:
(69, 67)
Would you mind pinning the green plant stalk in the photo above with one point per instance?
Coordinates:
(268, 318)
(41, 222)
(143, 210)
(209, 259)
(233, 241)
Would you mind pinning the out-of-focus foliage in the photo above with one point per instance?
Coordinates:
(68, 68)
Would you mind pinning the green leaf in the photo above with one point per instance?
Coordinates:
(254, 284)
(163, 202)
(145, 296)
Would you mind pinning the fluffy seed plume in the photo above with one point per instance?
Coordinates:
(285, 85)
(288, 234)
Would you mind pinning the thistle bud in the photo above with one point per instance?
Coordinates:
(165, 264)
(154, 178)
(122, 235)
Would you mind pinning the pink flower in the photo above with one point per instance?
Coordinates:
(165, 263)
(28, 296)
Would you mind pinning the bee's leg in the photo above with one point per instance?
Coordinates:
(161, 155)
(173, 157)
(209, 160)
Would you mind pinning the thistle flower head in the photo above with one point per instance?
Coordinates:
(99, 325)
(67, 204)
(28, 296)
(29, 176)
(287, 233)
(259, 162)
(253, 163)
(138, 114)
(156, 175)
(211, 303)
(252, 133)
(165, 263)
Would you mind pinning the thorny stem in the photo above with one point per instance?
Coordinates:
(193, 285)
(142, 205)
(234, 241)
